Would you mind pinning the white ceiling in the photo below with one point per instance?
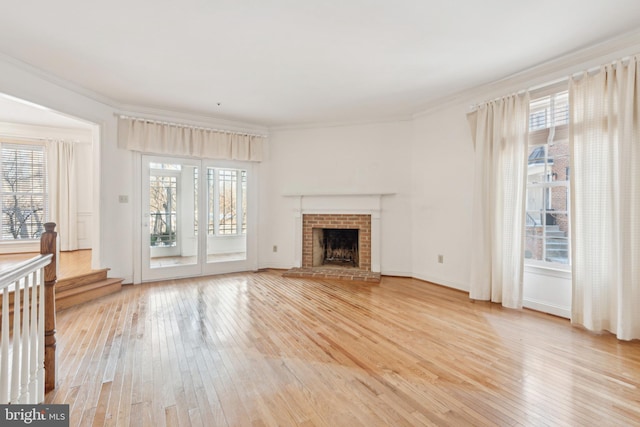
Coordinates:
(280, 62)
(14, 110)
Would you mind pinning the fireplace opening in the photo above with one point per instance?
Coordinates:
(337, 247)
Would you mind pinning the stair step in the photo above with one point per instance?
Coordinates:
(559, 245)
(556, 234)
(81, 280)
(83, 293)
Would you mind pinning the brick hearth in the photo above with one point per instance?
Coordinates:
(334, 273)
(336, 221)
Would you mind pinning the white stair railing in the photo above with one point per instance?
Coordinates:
(22, 343)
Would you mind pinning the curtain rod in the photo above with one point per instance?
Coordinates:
(182, 125)
(548, 84)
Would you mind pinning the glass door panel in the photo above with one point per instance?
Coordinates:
(198, 217)
(170, 218)
(226, 214)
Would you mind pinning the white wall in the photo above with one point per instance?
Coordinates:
(442, 172)
(547, 290)
(111, 221)
(442, 198)
(364, 158)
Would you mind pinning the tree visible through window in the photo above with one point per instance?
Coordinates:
(163, 204)
(24, 191)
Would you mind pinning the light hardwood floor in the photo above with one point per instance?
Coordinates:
(72, 263)
(257, 349)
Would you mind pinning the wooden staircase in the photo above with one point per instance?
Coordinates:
(75, 290)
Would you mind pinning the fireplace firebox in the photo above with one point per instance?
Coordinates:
(346, 238)
(337, 247)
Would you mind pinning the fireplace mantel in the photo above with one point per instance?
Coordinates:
(340, 203)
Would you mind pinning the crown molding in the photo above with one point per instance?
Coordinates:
(188, 118)
(130, 109)
(40, 132)
(555, 69)
(548, 72)
(51, 78)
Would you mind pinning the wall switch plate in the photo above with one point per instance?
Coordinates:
(123, 199)
(441, 259)
(275, 248)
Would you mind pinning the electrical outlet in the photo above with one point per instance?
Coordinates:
(440, 259)
(275, 248)
(123, 199)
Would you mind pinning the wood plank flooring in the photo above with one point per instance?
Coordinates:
(71, 263)
(257, 349)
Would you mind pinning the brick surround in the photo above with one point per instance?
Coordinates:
(337, 221)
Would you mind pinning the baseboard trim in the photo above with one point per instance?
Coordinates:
(442, 282)
(275, 266)
(396, 274)
(545, 307)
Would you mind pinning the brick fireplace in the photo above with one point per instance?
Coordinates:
(360, 222)
(320, 215)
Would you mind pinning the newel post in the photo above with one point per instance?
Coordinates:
(48, 245)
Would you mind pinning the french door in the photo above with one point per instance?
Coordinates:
(197, 217)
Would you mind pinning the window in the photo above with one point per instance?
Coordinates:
(163, 209)
(227, 201)
(547, 205)
(163, 204)
(24, 191)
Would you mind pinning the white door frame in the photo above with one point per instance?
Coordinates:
(171, 271)
(142, 272)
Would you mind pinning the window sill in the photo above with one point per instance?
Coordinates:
(19, 246)
(548, 270)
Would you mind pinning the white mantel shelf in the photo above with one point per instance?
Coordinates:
(327, 202)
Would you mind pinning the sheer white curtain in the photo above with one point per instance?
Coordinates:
(63, 192)
(605, 189)
(500, 129)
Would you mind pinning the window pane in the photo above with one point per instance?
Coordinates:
(549, 111)
(195, 201)
(244, 202)
(227, 215)
(163, 210)
(557, 249)
(558, 153)
(211, 208)
(548, 167)
(559, 198)
(24, 198)
(533, 248)
(22, 216)
(227, 193)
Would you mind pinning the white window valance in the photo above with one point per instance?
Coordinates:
(147, 136)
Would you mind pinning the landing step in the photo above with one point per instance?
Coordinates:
(78, 294)
(81, 280)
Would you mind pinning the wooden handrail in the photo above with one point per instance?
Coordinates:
(48, 245)
(28, 335)
(7, 279)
